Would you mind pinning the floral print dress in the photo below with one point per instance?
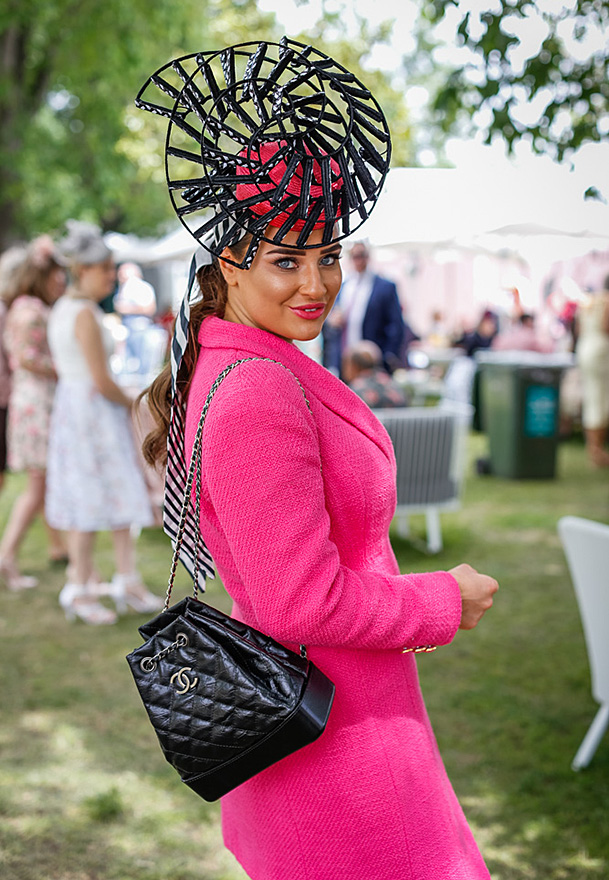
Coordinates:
(32, 392)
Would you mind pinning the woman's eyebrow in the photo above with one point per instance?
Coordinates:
(337, 248)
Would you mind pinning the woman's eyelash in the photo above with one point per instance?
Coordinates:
(333, 257)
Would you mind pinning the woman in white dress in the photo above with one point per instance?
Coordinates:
(592, 351)
(94, 481)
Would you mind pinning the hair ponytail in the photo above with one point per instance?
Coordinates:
(158, 395)
(214, 292)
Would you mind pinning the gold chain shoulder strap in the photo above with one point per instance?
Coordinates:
(195, 470)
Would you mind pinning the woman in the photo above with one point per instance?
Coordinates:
(11, 262)
(592, 352)
(94, 482)
(38, 280)
(296, 502)
(5, 391)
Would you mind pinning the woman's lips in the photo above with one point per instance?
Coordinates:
(311, 312)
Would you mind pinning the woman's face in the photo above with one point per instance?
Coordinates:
(286, 292)
(97, 280)
(56, 284)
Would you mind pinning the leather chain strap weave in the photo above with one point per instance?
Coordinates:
(194, 473)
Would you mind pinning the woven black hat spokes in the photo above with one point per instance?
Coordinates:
(265, 139)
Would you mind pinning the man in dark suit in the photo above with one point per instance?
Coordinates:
(368, 308)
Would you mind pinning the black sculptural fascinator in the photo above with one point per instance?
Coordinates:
(265, 139)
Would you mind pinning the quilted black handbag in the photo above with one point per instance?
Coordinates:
(225, 700)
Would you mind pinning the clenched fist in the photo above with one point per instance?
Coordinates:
(477, 591)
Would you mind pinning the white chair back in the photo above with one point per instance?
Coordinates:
(586, 546)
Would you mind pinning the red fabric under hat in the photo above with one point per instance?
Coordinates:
(275, 175)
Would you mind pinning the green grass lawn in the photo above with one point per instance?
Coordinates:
(86, 795)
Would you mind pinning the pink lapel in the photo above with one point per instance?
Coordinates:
(317, 381)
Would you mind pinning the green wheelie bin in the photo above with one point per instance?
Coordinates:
(520, 403)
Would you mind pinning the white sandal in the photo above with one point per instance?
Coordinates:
(128, 591)
(96, 587)
(78, 602)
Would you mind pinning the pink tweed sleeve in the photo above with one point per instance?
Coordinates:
(262, 475)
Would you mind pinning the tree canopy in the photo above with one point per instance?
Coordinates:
(69, 71)
(72, 143)
(535, 70)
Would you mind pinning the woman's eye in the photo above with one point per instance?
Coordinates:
(329, 260)
(285, 263)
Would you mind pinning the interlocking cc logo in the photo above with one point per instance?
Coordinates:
(182, 680)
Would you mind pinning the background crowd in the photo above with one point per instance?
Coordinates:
(70, 372)
(368, 342)
(67, 422)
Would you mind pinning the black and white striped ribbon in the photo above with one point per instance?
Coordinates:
(228, 231)
(176, 472)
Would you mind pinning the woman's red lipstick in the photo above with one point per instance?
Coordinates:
(309, 312)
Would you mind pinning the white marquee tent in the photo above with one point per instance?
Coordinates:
(536, 216)
(438, 207)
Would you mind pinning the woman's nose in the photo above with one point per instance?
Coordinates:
(311, 281)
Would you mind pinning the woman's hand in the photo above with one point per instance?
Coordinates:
(477, 591)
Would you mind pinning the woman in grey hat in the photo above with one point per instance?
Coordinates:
(94, 480)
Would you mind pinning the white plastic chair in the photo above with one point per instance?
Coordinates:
(430, 446)
(586, 546)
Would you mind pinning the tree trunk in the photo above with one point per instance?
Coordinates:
(11, 188)
(11, 78)
(9, 228)
(19, 100)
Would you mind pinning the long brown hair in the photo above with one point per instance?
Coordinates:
(30, 274)
(214, 292)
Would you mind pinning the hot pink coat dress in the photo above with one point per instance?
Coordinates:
(296, 508)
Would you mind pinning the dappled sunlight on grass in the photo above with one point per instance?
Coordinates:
(85, 793)
(510, 701)
(512, 847)
(126, 821)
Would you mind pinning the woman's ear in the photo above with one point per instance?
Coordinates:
(230, 272)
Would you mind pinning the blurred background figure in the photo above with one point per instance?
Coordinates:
(592, 353)
(368, 308)
(362, 370)
(144, 352)
(481, 336)
(521, 335)
(9, 262)
(37, 280)
(438, 336)
(94, 479)
(135, 302)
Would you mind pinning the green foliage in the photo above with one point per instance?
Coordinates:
(72, 143)
(486, 92)
(353, 53)
(69, 72)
